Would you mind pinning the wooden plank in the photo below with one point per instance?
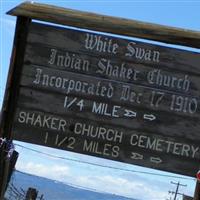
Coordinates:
(131, 51)
(108, 24)
(97, 139)
(74, 56)
(114, 115)
(115, 69)
(131, 95)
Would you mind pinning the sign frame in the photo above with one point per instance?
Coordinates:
(28, 11)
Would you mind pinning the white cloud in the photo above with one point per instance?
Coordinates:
(107, 183)
(122, 186)
(119, 185)
(55, 172)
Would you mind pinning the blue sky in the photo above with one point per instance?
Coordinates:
(183, 14)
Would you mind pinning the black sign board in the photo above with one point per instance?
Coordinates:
(109, 97)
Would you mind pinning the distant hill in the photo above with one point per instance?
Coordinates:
(54, 190)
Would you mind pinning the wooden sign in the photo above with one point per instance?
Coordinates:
(110, 97)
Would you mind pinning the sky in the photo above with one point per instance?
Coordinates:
(136, 181)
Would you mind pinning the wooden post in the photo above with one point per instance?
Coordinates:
(31, 194)
(7, 166)
(185, 197)
(2, 172)
(12, 85)
(11, 95)
(12, 163)
(197, 191)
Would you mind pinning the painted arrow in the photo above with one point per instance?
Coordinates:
(136, 156)
(130, 113)
(156, 160)
(149, 117)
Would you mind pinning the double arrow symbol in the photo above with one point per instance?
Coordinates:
(149, 117)
(130, 113)
(136, 156)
